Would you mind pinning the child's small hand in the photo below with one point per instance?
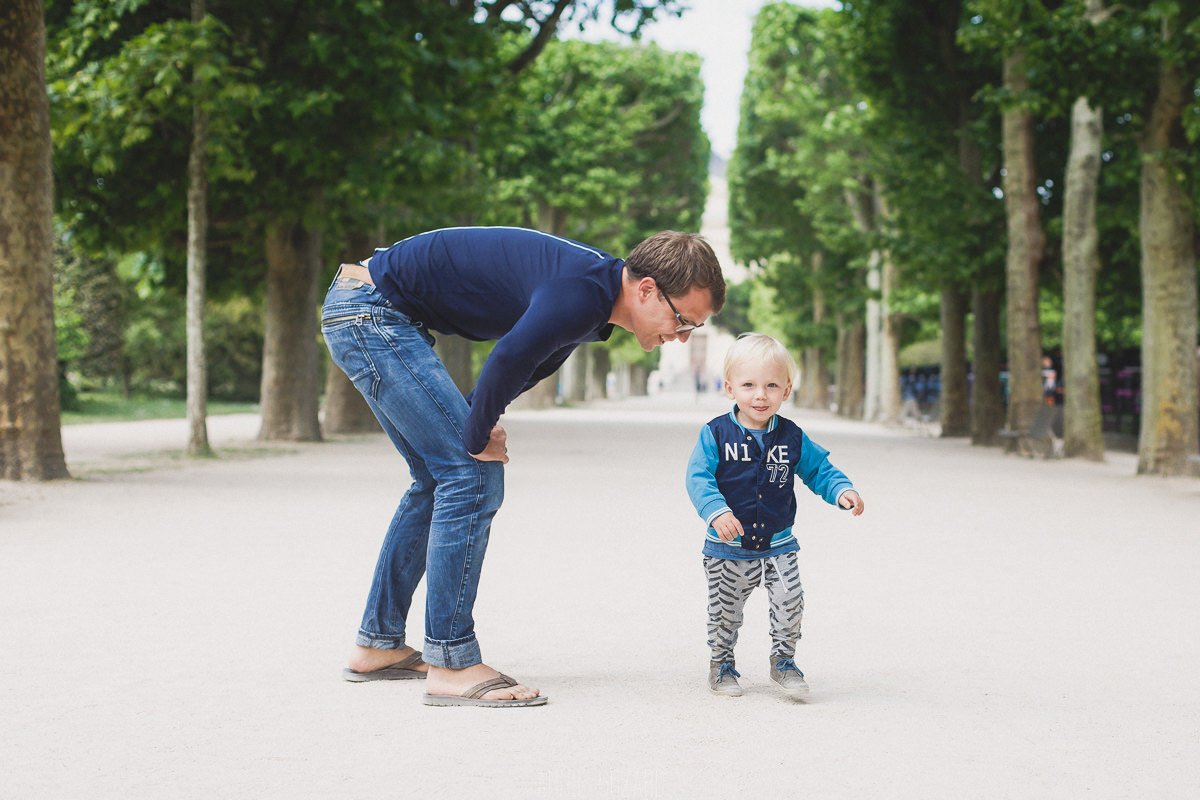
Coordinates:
(727, 527)
(852, 502)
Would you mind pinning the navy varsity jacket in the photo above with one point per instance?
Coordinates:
(540, 296)
(730, 471)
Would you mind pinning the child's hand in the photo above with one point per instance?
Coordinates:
(727, 527)
(852, 502)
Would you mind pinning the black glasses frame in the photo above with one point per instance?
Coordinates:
(684, 326)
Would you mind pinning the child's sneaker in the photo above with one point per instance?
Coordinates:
(788, 675)
(722, 679)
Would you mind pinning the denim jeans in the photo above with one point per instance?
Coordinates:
(440, 529)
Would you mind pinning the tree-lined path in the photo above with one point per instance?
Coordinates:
(992, 627)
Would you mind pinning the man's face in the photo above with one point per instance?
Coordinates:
(655, 322)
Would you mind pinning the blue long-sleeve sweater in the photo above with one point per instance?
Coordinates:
(751, 473)
(540, 296)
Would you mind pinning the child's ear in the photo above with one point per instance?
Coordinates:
(729, 390)
(787, 392)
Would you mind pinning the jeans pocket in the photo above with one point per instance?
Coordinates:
(349, 353)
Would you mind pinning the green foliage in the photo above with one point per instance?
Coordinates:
(801, 154)
(123, 79)
(156, 344)
(233, 341)
(735, 316)
(602, 143)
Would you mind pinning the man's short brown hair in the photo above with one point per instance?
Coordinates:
(679, 262)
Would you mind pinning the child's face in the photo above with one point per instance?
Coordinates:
(759, 389)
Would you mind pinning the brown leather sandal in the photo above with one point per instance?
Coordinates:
(400, 671)
(474, 695)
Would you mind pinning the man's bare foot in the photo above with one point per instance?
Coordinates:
(369, 659)
(459, 681)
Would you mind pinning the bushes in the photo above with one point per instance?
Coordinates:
(115, 332)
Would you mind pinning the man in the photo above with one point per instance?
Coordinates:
(539, 296)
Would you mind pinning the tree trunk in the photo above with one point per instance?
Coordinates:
(639, 380)
(873, 333)
(577, 374)
(544, 394)
(289, 381)
(987, 401)
(455, 353)
(861, 201)
(1026, 242)
(600, 367)
(197, 254)
(30, 416)
(1169, 403)
(986, 397)
(814, 379)
(956, 414)
(851, 355)
(889, 349)
(345, 409)
(1082, 432)
(551, 219)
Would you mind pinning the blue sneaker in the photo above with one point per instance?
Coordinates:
(789, 677)
(722, 679)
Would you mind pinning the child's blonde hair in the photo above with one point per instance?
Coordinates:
(762, 349)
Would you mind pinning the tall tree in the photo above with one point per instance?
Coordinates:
(197, 257)
(339, 105)
(30, 440)
(1168, 230)
(924, 88)
(1082, 434)
(797, 184)
(1026, 245)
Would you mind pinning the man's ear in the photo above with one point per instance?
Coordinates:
(646, 287)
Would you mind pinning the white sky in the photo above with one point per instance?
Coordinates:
(719, 30)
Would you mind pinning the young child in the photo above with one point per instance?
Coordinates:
(740, 481)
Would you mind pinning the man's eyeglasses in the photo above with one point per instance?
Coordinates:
(684, 326)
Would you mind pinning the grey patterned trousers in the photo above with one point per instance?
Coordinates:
(730, 582)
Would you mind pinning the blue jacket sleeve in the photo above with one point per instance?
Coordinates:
(702, 478)
(818, 474)
(560, 315)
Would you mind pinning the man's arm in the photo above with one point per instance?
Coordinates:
(559, 316)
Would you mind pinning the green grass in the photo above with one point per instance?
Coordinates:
(112, 407)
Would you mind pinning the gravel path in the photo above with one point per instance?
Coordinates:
(992, 627)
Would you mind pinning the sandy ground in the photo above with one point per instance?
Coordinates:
(992, 627)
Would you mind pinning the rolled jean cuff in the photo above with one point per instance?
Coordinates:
(379, 641)
(452, 653)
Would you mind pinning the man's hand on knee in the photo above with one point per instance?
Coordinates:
(497, 447)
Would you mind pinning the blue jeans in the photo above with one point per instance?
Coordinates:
(440, 529)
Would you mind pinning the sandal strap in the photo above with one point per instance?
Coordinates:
(480, 689)
(413, 660)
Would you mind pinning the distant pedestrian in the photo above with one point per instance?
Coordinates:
(1050, 387)
(740, 479)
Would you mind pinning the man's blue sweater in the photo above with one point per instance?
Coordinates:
(732, 469)
(539, 296)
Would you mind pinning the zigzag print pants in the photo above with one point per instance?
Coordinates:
(730, 582)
